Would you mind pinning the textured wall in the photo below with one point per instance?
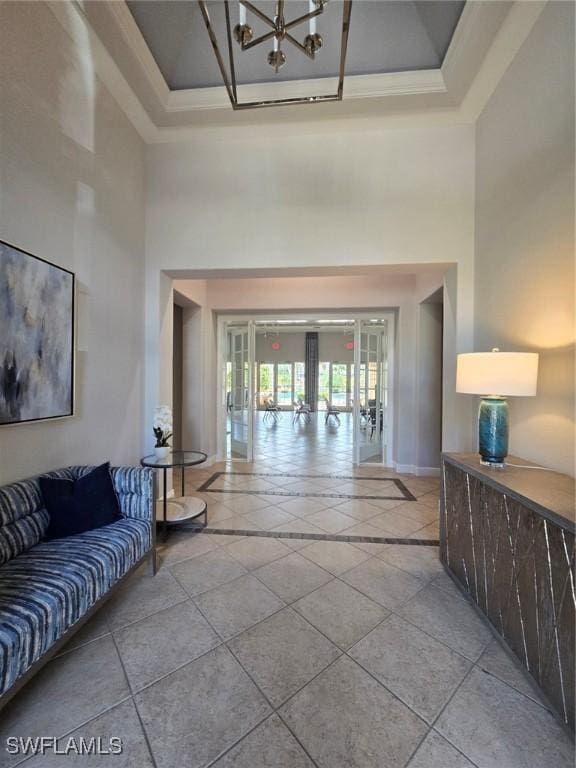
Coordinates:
(72, 192)
(524, 270)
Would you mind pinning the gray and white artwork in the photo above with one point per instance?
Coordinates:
(36, 338)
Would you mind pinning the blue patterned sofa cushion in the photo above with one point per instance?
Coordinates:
(46, 590)
(23, 519)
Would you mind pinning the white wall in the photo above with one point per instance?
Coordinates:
(525, 232)
(429, 384)
(72, 192)
(331, 347)
(255, 198)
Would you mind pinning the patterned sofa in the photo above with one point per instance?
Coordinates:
(48, 589)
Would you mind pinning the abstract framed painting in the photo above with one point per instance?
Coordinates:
(36, 338)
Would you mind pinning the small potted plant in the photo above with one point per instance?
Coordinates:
(162, 430)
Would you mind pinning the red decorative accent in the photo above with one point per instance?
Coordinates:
(349, 345)
(276, 345)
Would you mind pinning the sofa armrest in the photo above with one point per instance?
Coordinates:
(135, 489)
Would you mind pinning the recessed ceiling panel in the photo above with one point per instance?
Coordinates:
(385, 36)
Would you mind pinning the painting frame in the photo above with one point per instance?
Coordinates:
(70, 377)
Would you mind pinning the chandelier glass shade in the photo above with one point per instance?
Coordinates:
(280, 33)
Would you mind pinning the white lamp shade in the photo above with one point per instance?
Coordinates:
(497, 373)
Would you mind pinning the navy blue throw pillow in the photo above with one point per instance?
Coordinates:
(81, 505)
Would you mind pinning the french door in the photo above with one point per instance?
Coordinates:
(239, 390)
(371, 392)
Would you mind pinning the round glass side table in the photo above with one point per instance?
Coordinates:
(184, 508)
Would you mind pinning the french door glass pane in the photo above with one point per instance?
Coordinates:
(299, 381)
(284, 384)
(339, 382)
(323, 385)
(265, 382)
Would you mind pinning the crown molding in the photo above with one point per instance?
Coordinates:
(355, 87)
(486, 39)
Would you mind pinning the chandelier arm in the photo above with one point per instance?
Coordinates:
(258, 12)
(346, 12)
(219, 59)
(230, 49)
(256, 41)
(299, 46)
(302, 19)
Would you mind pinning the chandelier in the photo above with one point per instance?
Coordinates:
(280, 30)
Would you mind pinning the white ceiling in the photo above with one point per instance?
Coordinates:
(385, 36)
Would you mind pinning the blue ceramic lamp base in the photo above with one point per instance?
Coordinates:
(493, 428)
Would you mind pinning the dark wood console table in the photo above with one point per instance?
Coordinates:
(507, 538)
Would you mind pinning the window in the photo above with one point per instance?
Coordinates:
(323, 385)
(266, 382)
(335, 384)
(339, 385)
(299, 381)
(284, 380)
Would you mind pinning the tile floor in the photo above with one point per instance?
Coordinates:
(264, 652)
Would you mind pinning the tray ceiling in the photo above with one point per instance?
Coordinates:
(385, 36)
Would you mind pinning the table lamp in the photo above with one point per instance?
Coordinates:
(496, 375)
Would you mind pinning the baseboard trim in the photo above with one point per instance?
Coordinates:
(428, 471)
(411, 469)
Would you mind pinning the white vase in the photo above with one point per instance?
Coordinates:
(162, 452)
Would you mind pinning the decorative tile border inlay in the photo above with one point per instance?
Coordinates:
(309, 536)
(406, 494)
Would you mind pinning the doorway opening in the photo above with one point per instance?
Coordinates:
(300, 392)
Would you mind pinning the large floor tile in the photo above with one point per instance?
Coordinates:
(94, 628)
(299, 526)
(241, 504)
(120, 722)
(384, 583)
(236, 606)
(396, 523)
(292, 576)
(345, 719)
(283, 653)
(449, 619)
(182, 545)
(69, 691)
(255, 551)
(236, 523)
(269, 517)
(419, 512)
(302, 507)
(499, 663)
(495, 726)
(195, 714)
(420, 561)
(154, 647)
(336, 557)
(207, 571)
(141, 596)
(436, 752)
(340, 612)
(418, 669)
(331, 520)
(358, 509)
(366, 529)
(271, 745)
